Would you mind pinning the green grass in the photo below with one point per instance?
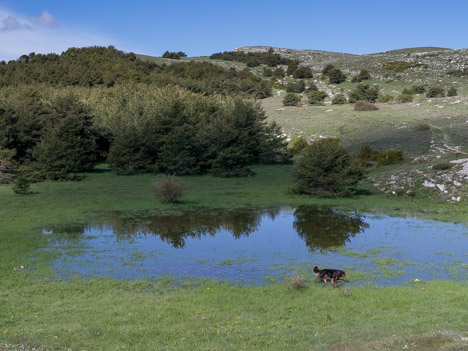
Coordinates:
(38, 309)
(110, 315)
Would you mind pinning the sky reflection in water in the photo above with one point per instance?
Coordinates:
(257, 246)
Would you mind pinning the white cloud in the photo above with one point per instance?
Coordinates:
(22, 35)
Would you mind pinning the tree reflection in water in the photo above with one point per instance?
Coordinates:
(323, 228)
(320, 228)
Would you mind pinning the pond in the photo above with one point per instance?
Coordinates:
(257, 246)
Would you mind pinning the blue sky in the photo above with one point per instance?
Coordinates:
(204, 27)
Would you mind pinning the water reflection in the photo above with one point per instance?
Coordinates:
(324, 228)
(320, 228)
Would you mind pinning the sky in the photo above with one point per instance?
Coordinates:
(200, 28)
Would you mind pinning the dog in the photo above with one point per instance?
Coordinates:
(333, 274)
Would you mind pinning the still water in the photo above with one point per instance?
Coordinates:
(252, 246)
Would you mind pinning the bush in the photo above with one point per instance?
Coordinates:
(169, 189)
(452, 92)
(299, 145)
(295, 87)
(339, 99)
(22, 186)
(364, 92)
(291, 99)
(325, 168)
(316, 97)
(364, 106)
(435, 92)
(327, 69)
(267, 72)
(418, 89)
(174, 55)
(442, 166)
(400, 66)
(389, 157)
(296, 282)
(404, 98)
(422, 126)
(279, 72)
(363, 75)
(367, 154)
(385, 98)
(335, 76)
(303, 72)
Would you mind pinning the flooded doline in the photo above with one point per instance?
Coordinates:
(256, 246)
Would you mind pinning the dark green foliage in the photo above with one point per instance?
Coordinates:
(327, 69)
(267, 72)
(316, 97)
(418, 89)
(435, 92)
(67, 147)
(367, 154)
(303, 72)
(292, 67)
(295, 87)
(7, 165)
(325, 168)
(442, 166)
(400, 66)
(299, 145)
(312, 87)
(364, 92)
(404, 97)
(336, 76)
(274, 147)
(23, 121)
(339, 99)
(279, 72)
(452, 92)
(169, 189)
(99, 66)
(174, 55)
(363, 75)
(385, 98)
(22, 186)
(364, 106)
(389, 157)
(291, 99)
(268, 58)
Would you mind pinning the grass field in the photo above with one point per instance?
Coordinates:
(39, 310)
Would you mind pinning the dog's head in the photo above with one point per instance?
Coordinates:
(316, 270)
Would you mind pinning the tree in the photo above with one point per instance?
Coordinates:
(291, 99)
(325, 168)
(363, 75)
(303, 72)
(335, 76)
(364, 92)
(7, 165)
(316, 97)
(68, 147)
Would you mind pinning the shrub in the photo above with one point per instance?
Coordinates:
(364, 92)
(452, 92)
(303, 72)
(327, 69)
(363, 75)
(299, 145)
(267, 72)
(22, 186)
(367, 154)
(364, 106)
(295, 87)
(389, 157)
(291, 99)
(442, 166)
(339, 99)
(312, 87)
(385, 98)
(400, 66)
(174, 55)
(278, 72)
(169, 189)
(335, 76)
(404, 98)
(435, 92)
(418, 89)
(296, 282)
(422, 126)
(325, 168)
(316, 97)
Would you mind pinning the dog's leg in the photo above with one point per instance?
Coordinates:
(325, 281)
(333, 281)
